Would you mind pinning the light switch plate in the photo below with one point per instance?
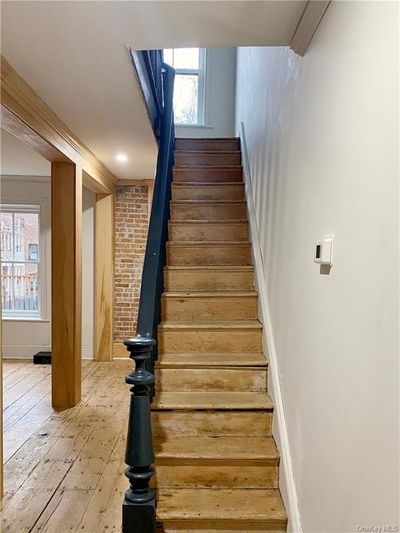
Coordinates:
(323, 253)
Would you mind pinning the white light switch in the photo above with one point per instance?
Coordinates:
(324, 250)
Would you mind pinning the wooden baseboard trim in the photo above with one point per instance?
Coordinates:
(288, 487)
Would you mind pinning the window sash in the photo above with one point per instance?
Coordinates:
(200, 72)
(23, 313)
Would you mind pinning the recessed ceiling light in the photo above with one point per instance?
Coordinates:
(122, 158)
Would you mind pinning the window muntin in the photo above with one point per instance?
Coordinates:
(189, 65)
(20, 255)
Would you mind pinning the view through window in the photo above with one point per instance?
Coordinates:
(189, 83)
(20, 256)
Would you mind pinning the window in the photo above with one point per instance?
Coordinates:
(189, 64)
(20, 256)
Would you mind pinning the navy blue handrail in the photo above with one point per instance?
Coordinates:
(138, 509)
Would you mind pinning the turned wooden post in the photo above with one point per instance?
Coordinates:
(139, 507)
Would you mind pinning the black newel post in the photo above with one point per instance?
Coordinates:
(139, 507)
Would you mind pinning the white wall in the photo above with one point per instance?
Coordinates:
(323, 139)
(219, 96)
(25, 338)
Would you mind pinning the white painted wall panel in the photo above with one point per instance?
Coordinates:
(323, 140)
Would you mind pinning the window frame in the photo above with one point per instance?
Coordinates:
(36, 208)
(201, 93)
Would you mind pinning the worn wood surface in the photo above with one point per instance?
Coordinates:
(66, 283)
(104, 277)
(64, 471)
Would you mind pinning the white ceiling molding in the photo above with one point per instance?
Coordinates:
(309, 22)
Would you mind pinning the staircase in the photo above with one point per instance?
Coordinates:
(216, 461)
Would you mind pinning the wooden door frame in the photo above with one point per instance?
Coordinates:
(26, 116)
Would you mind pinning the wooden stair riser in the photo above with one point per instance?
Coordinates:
(217, 159)
(212, 254)
(208, 145)
(198, 231)
(204, 174)
(216, 477)
(208, 211)
(210, 380)
(207, 279)
(211, 423)
(211, 526)
(210, 341)
(169, 529)
(206, 307)
(211, 360)
(208, 192)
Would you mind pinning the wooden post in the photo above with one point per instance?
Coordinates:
(104, 277)
(66, 281)
(138, 510)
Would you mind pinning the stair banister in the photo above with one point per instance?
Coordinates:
(138, 514)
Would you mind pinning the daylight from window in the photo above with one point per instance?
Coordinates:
(188, 90)
(20, 261)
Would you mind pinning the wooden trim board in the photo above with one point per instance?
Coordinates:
(288, 488)
(104, 277)
(308, 24)
(66, 283)
(30, 119)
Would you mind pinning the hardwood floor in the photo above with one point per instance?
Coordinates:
(64, 470)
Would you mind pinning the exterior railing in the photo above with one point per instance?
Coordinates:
(139, 504)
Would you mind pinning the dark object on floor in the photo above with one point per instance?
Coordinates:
(42, 358)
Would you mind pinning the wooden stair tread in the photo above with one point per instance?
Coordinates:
(207, 243)
(207, 202)
(210, 324)
(212, 400)
(207, 168)
(209, 294)
(209, 184)
(199, 221)
(187, 360)
(208, 152)
(238, 505)
(224, 450)
(229, 268)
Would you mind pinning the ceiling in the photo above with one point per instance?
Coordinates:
(17, 159)
(74, 55)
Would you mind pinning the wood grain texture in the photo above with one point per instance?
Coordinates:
(66, 283)
(67, 473)
(33, 122)
(104, 277)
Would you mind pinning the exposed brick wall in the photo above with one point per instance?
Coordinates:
(131, 224)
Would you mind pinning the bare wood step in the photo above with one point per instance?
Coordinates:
(222, 509)
(209, 305)
(217, 336)
(216, 450)
(217, 462)
(177, 278)
(199, 144)
(245, 476)
(208, 253)
(192, 401)
(206, 210)
(211, 423)
(207, 158)
(211, 380)
(196, 174)
(208, 191)
(195, 230)
(193, 360)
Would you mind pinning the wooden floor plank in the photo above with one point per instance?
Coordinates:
(70, 467)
